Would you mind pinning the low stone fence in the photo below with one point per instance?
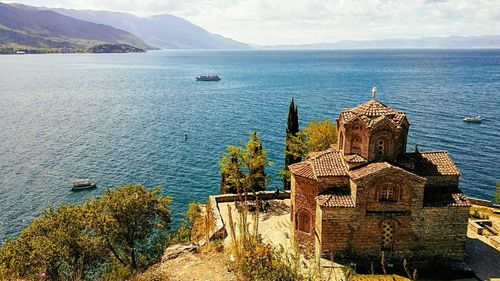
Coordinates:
(476, 227)
(482, 202)
(219, 226)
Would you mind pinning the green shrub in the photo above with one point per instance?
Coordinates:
(123, 229)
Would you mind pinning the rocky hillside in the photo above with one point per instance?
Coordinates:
(31, 28)
(162, 31)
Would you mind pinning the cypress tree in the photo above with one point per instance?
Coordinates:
(291, 130)
(255, 160)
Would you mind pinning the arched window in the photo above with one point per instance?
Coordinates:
(387, 235)
(304, 221)
(380, 149)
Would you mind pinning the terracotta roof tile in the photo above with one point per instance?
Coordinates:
(328, 163)
(368, 169)
(373, 108)
(335, 200)
(374, 167)
(302, 169)
(372, 112)
(433, 163)
(449, 200)
(354, 158)
(459, 200)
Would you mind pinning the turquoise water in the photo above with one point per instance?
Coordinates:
(121, 118)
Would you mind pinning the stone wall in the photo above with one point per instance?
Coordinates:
(218, 227)
(440, 181)
(444, 232)
(347, 233)
(355, 137)
(334, 229)
(303, 199)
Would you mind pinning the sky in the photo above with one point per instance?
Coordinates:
(269, 22)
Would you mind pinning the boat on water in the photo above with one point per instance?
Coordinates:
(208, 78)
(475, 119)
(82, 184)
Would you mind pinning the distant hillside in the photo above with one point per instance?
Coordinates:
(28, 27)
(451, 42)
(114, 48)
(163, 31)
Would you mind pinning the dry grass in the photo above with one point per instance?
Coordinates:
(393, 277)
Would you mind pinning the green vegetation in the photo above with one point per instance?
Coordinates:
(114, 48)
(192, 227)
(119, 233)
(231, 172)
(291, 131)
(242, 169)
(27, 28)
(316, 136)
(252, 259)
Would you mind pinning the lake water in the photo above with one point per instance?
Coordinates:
(121, 118)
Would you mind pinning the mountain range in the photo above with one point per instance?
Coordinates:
(162, 31)
(23, 26)
(51, 29)
(27, 27)
(449, 42)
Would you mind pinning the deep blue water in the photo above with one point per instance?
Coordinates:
(121, 118)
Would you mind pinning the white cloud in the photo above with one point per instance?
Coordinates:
(301, 21)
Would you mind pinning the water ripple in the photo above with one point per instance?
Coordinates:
(121, 118)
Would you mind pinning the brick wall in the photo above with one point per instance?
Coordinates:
(445, 231)
(303, 198)
(358, 231)
(442, 181)
(357, 138)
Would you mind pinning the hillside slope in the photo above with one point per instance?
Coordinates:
(163, 31)
(29, 27)
(449, 42)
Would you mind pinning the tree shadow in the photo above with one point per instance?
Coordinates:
(483, 259)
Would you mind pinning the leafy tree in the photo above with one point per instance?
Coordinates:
(316, 136)
(123, 228)
(232, 176)
(189, 219)
(243, 168)
(291, 131)
(255, 159)
(131, 220)
(58, 245)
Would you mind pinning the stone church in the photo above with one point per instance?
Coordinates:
(367, 194)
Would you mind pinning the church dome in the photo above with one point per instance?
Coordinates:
(372, 112)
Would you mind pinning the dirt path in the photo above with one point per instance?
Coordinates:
(199, 266)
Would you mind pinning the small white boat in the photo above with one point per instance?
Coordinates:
(475, 119)
(82, 184)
